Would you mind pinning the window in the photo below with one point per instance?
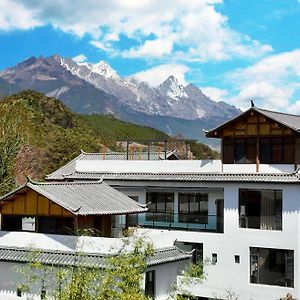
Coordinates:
(193, 207)
(260, 209)
(28, 224)
(18, 223)
(239, 151)
(214, 258)
(132, 219)
(150, 284)
(60, 225)
(277, 150)
(161, 207)
(272, 266)
(195, 248)
(237, 259)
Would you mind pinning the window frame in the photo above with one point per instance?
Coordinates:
(244, 208)
(270, 264)
(155, 214)
(198, 216)
(150, 284)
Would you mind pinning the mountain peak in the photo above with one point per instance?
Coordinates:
(102, 68)
(172, 88)
(57, 57)
(171, 80)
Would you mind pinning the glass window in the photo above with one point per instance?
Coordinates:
(239, 151)
(237, 259)
(260, 209)
(277, 150)
(272, 266)
(132, 219)
(214, 258)
(228, 151)
(150, 284)
(161, 207)
(193, 207)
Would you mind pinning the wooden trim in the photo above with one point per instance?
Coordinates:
(257, 154)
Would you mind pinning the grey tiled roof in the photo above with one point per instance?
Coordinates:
(291, 121)
(84, 198)
(191, 177)
(165, 255)
(70, 166)
(71, 258)
(59, 258)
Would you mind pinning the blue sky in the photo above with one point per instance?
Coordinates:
(234, 50)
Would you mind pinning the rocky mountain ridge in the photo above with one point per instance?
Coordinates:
(170, 98)
(97, 88)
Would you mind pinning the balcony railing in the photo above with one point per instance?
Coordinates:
(181, 221)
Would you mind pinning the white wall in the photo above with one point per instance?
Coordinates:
(165, 277)
(226, 274)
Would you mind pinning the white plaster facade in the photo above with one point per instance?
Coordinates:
(226, 274)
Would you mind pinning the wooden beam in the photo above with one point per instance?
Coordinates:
(257, 160)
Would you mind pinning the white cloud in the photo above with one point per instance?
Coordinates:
(80, 58)
(16, 16)
(106, 47)
(271, 82)
(156, 75)
(294, 108)
(160, 28)
(214, 93)
(154, 48)
(112, 37)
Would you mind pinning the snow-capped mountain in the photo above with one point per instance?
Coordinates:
(102, 68)
(172, 89)
(168, 99)
(97, 88)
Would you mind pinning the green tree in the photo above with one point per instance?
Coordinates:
(119, 279)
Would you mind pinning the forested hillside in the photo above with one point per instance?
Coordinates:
(38, 134)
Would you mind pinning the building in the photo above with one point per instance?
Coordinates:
(44, 221)
(241, 213)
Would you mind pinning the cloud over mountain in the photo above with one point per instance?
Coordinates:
(187, 30)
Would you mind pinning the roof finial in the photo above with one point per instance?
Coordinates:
(252, 103)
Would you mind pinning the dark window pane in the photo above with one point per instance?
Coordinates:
(276, 154)
(228, 154)
(161, 207)
(240, 154)
(272, 266)
(260, 209)
(265, 154)
(193, 208)
(150, 284)
(288, 153)
(251, 154)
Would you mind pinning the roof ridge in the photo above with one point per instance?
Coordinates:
(186, 173)
(67, 182)
(66, 165)
(53, 251)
